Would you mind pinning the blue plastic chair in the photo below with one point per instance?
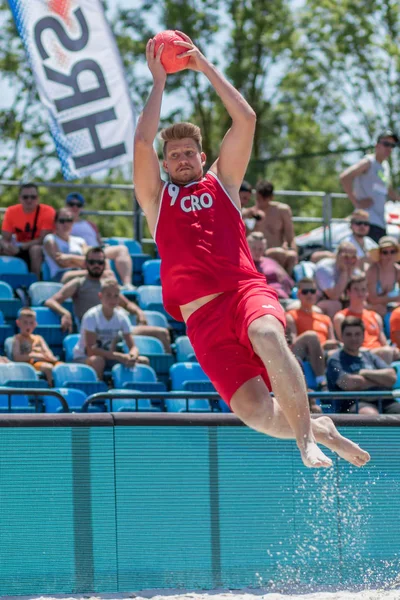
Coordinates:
(186, 371)
(46, 316)
(145, 386)
(184, 349)
(74, 397)
(18, 280)
(138, 260)
(45, 271)
(150, 298)
(6, 331)
(8, 347)
(11, 264)
(9, 305)
(133, 246)
(151, 272)
(199, 386)
(396, 366)
(192, 405)
(130, 404)
(69, 343)
(43, 290)
(17, 372)
(156, 319)
(140, 373)
(19, 403)
(386, 324)
(149, 345)
(75, 372)
(309, 375)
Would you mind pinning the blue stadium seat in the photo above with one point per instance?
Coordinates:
(151, 272)
(156, 319)
(199, 386)
(186, 371)
(43, 290)
(46, 316)
(138, 260)
(19, 403)
(45, 271)
(150, 298)
(145, 386)
(8, 346)
(160, 361)
(386, 324)
(148, 344)
(67, 373)
(140, 373)
(184, 349)
(193, 405)
(14, 371)
(5, 332)
(9, 305)
(133, 246)
(305, 268)
(69, 343)
(74, 397)
(11, 264)
(396, 366)
(130, 404)
(19, 280)
(309, 375)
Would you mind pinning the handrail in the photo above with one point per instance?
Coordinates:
(133, 395)
(9, 391)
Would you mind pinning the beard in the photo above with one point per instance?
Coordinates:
(183, 177)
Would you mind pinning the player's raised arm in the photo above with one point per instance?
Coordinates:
(236, 146)
(146, 167)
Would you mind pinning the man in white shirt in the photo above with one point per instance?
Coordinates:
(367, 183)
(89, 232)
(100, 332)
(359, 224)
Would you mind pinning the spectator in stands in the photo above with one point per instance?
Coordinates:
(277, 227)
(359, 224)
(367, 183)
(395, 326)
(89, 232)
(276, 275)
(312, 331)
(250, 214)
(352, 369)
(383, 277)
(100, 333)
(84, 292)
(332, 276)
(30, 348)
(374, 337)
(29, 221)
(64, 253)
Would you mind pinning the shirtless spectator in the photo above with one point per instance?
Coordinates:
(332, 276)
(277, 227)
(276, 275)
(374, 337)
(359, 224)
(312, 331)
(84, 292)
(29, 221)
(352, 369)
(89, 232)
(250, 213)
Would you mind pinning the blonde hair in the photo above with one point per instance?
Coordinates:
(179, 131)
(360, 213)
(26, 312)
(109, 283)
(256, 236)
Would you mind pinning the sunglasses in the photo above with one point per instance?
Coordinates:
(29, 196)
(308, 291)
(387, 252)
(62, 221)
(365, 223)
(76, 204)
(388, 144)
(94, 261)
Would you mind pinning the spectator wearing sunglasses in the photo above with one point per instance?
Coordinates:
(89, 232)
(311, 331)
(383, 277)
(84, 292)
(359, 224)
(367, 183)
(25, 226)
(64, 253)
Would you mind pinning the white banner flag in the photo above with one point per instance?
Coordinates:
(80, 78)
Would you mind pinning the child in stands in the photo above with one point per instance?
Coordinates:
(31, 348)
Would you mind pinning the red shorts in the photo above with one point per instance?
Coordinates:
(218, 331)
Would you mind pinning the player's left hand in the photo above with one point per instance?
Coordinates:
(197, 60)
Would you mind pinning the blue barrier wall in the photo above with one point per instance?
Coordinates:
(113, 503)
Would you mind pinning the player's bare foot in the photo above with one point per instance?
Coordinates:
(327, 434)
(313, 457)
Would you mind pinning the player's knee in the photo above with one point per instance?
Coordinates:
(266, 333)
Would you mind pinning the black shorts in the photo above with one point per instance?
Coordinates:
(376, 232)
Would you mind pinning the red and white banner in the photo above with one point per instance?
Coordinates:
(81, 81)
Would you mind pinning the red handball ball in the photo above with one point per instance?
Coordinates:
(169, 59)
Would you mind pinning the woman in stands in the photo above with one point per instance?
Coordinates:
(383, 276)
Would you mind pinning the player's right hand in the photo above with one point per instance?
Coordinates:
(154, 61)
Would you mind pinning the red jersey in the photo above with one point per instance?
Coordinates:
(201, 239)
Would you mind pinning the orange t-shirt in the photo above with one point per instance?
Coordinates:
(21, 223)
(312, 321)
(372, 329)
(394, 322)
